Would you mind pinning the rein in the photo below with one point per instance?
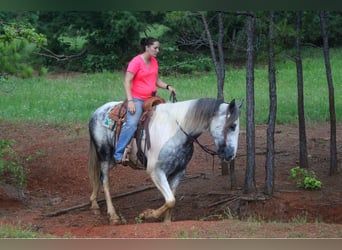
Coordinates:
(226, 126)
(203, 147)
(173, 97)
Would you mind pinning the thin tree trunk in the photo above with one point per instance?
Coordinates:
(221, 77)
(220, 96)
(303, 155)
(333, 148)
(250, 185)
(233, 182)
(219, 66)
(269, 165)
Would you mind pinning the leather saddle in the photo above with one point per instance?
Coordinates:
(118, 116)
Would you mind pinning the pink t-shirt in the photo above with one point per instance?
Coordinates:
(145, 77)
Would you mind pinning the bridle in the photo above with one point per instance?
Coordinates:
(205, 148)
(229, 120)
(193, 139)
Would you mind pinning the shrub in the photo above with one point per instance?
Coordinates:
(43, 71)
(171, 60)
(305, 179)
(11, 169)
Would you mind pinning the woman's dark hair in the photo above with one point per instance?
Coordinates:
(147, 41)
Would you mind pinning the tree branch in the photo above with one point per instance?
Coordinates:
(84, 205)
(51, 54)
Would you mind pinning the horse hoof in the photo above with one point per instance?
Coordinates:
(149, 213)
(114, 222)
(114, 219)
(167, 221)
(96, 211)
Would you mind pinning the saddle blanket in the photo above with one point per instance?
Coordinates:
(108, 122)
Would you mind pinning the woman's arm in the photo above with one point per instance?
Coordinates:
(127, 85)
(164, 85)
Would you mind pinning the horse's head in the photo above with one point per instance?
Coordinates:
(225, 128)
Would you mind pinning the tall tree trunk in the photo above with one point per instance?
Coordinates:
(220, 85)
(333, 148)
(220, 82)
(303, 155)
(250, 185)
(219, 64)
(269, 165)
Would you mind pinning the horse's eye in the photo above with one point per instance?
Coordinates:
(232, 127)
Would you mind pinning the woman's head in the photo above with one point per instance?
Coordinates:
(150, 45)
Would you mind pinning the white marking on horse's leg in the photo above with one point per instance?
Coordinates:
(162, 184)
(93, 199)
(168, 213)
(167, 216)
(113, 217)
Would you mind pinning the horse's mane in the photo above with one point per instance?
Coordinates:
(194, 115)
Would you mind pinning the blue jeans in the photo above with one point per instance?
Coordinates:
(128, 129)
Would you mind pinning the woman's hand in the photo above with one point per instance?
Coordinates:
(171, 89)
(131, 106)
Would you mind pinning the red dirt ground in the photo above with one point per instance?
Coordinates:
(58, 179)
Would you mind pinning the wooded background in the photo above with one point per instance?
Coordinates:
(94, 41)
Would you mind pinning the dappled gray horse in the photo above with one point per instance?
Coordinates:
(173, 128)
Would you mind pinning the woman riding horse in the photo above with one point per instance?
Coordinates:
(141, 82)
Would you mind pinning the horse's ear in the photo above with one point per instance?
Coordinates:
(232, 105)
(239, 104)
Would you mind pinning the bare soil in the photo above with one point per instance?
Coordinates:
(206, 206)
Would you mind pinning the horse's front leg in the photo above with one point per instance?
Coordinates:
(162, 184)
(167, 216)
(173, 182)
(113, 217)
(156, 213)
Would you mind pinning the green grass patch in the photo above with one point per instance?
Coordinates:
(58, 100)
(21, 232)
(73, 99)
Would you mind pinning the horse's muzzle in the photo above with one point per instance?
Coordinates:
(228, 154)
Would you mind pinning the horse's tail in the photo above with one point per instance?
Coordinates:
(93, 165)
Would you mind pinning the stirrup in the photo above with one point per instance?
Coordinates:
(125, 157)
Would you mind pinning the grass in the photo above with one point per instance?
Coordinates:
(22, 232)
(73, 99)
(57, 100)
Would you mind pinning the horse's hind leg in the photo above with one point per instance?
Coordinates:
(94, 175)
(93, 198)
(113, 217)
